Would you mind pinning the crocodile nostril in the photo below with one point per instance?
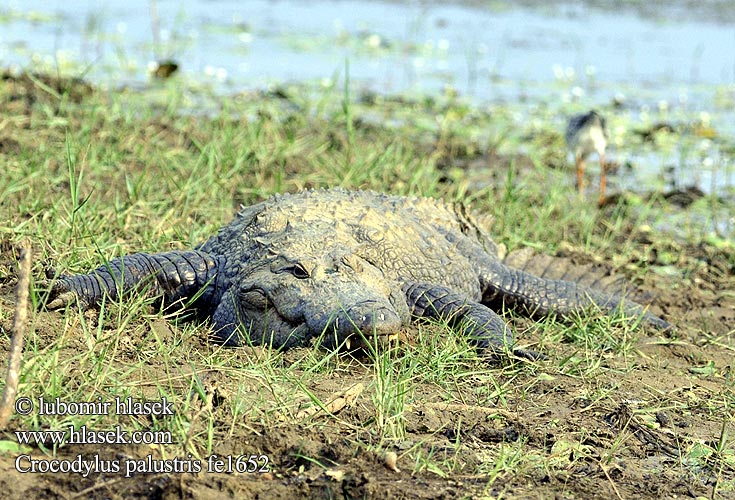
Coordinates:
(369, 319)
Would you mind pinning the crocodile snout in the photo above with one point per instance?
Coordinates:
(366, 319)
(370, 319)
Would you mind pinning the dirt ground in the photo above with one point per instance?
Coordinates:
(601, 448)
(650, 465)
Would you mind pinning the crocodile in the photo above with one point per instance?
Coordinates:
(336, 265)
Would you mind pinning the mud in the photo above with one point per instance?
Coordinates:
(627, 431)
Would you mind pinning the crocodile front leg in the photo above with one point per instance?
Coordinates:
(482, 325)
(174, 276)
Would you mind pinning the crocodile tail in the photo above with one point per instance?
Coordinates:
(592, 275)
(544, 285)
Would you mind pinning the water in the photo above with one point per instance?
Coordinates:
(483, 52)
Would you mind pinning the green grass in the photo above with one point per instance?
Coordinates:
(121, 172)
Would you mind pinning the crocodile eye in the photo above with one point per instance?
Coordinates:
(298, 271)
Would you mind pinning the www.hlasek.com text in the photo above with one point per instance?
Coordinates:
(83, 435)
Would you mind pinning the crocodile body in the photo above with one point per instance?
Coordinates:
(333, 263)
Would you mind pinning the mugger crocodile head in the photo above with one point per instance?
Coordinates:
(285, 301)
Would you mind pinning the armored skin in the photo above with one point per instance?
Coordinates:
(336, 263)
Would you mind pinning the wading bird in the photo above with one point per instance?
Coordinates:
(587, 134)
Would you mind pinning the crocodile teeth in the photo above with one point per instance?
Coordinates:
(381, 317)
(348, 343)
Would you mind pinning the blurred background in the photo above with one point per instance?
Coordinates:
(489, 50)
(662, 72)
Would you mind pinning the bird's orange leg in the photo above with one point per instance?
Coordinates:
(580, 175)
(603, 181)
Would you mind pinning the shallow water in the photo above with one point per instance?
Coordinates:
(669, 66)
(488, 53)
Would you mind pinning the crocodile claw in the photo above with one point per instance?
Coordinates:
(59, 294)
(62, 300)
(498, 356)
(529, 355)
